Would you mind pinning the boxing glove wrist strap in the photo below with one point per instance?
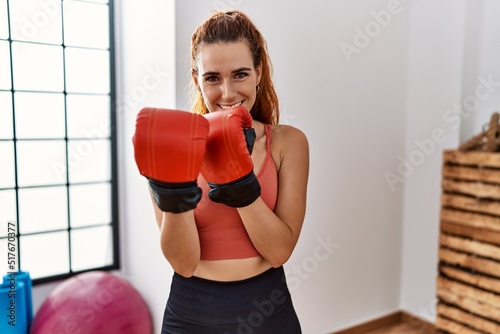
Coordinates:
(249, 138)
(175, 197)
(236, 194)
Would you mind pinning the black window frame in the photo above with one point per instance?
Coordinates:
(114, 224)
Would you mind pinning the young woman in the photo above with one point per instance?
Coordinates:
(228, 253)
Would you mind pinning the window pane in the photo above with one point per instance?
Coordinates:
(90, 204)
(94, 160)
(36, 21)
(4, 24)
(6, 116)
(41, 162)
(88, 116)
(39, 115)
(7, 168)
(7, 210)
(43, 209)
(91, 247)
(87, 71)
(38, 67)
(5, 79)
(56, 153)
(85, 24)
(45, 254)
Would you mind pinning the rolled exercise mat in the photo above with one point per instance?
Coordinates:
(13, 306)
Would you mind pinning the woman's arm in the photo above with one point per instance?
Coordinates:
(179, 240)
(275, 234)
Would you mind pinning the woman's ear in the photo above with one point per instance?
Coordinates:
(258, 72)
(195, 80)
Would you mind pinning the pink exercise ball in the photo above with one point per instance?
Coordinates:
(93, 303)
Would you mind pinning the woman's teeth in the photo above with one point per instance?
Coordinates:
(231, 106)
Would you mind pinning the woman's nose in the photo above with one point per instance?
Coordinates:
(228, 90)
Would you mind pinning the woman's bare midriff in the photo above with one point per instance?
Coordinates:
(231, 270)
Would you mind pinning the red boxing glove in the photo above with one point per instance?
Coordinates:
(169, 146)
(227, 166)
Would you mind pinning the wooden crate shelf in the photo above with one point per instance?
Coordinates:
(468, 285)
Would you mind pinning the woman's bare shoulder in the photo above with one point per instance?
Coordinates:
(287, 135)
(289, 141)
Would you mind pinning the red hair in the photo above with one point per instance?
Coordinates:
(232, 27)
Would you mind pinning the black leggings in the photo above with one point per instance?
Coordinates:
(257, 305)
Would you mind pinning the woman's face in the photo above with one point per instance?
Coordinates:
(226, 76)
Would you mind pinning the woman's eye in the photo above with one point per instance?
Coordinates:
(241, 75)
(211, 79)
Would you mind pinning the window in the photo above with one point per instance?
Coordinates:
(58, 191)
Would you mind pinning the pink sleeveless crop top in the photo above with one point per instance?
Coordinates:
(220, 228)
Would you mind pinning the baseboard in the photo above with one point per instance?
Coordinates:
(422, 326)
(372, 324)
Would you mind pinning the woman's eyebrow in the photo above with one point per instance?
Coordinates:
(209, 73)
(241, 69)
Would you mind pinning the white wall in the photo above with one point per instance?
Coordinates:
(434, 86)
(481, 54)
(146, 35)
(454, 48)
(364, 113)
